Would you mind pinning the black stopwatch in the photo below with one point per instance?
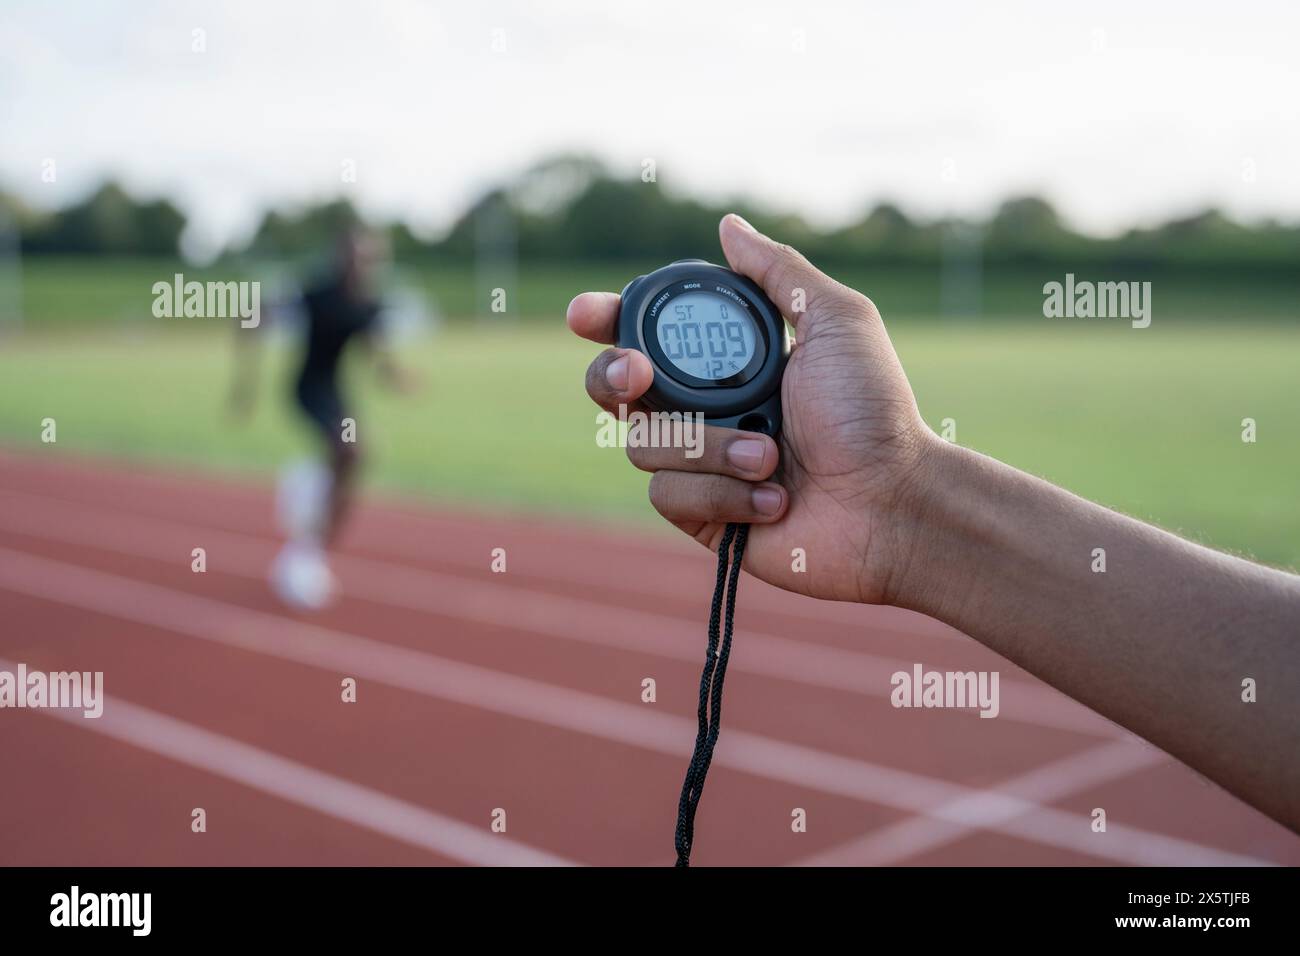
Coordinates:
(717, 343)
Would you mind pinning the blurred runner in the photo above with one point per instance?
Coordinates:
(341, 307)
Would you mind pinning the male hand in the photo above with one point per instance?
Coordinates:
(840, 482)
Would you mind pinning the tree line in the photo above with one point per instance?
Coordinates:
(574, 209)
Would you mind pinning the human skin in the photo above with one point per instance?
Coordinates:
(889, 513)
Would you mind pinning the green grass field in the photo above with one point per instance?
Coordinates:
(79, 292)
(1145, 421)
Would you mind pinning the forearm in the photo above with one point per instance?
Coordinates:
(1160, 642)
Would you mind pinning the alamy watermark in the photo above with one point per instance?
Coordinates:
(651, 430)
(71, 690)
(133, 911)
(208, 300)
(960, 689)
(1098, 300)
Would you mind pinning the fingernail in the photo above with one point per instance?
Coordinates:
(767, 501)
(616, 374)
(746, 454)
(742, 222)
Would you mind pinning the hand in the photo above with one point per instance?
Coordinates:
(851, 454)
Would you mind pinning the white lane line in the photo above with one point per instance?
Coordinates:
(302, 785)
(540, 612)
(952, 821)
(526, 699)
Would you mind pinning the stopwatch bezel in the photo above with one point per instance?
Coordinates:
(643, 303)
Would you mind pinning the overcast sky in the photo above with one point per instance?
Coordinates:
(1120, 112)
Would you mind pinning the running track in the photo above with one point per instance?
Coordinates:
(519, 691)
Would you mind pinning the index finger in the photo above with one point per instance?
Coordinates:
(594, 316)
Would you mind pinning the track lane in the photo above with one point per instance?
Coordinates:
(604, 800)
(222, 757)
(862, 817)
(584, 619)
(521, 698)
(852, 725)
(73, 798)
(563, 554)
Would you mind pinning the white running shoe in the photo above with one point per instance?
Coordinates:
(301, 577)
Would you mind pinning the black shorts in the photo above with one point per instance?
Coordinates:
(322, 403)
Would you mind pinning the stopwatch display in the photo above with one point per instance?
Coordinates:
(717, 343)
(707, 336)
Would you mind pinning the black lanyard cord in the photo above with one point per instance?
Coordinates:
(731, 553)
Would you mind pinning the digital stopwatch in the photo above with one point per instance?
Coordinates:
(717, 343)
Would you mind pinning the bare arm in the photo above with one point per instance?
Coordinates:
(888, 513)
(1160, 642)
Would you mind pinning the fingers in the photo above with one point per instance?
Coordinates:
(594, 316)
(720, 451)
(618, 377)
(794, 284)
(683, 497)
(722, 478)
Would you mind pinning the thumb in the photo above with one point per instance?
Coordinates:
(795, 285)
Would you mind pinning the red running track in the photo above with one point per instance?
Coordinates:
(481, 693)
